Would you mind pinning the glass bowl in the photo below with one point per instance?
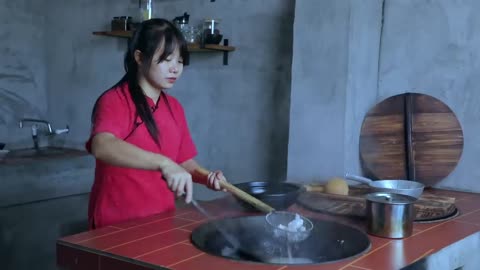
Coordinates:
(278, 225)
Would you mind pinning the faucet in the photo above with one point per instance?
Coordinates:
(35, 122)
(20, 124)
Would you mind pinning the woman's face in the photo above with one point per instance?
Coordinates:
(162, 75)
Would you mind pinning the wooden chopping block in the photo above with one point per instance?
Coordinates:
(357, 194)
(429, 206)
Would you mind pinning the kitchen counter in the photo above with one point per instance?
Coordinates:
(163, 241)
(44, 196)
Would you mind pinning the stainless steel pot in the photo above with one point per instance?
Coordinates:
(390, 215)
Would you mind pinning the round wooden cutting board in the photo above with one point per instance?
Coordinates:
(410, 136)
(429, 207)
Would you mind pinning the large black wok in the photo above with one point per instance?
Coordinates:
(328, 242)
(279, 195)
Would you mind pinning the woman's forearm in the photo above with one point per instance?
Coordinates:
(107, 148)
(199, 174)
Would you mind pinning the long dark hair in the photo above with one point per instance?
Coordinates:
(148, 37)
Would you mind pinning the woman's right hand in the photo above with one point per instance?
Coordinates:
(178, 179)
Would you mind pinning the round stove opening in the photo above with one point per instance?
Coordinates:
(328, 242)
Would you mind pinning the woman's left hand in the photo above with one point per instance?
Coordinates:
(214, 179)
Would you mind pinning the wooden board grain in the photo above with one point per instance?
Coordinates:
(410, 136)
(428, 207)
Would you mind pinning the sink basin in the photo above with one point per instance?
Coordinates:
(45, 152)
(328, 242)
(28, 175)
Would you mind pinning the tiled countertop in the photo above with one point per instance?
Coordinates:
(163, 241)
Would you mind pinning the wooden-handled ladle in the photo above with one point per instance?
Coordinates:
(243, 195)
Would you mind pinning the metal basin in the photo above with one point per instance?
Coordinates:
(41, 153)
(32, 152)
(328, 242)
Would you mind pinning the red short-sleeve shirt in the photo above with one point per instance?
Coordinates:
(120, 193)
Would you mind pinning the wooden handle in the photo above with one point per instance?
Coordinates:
(247, 197)
(242, 195)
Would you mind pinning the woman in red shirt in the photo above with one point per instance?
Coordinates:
(140, 137)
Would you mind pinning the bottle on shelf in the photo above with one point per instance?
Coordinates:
(145, 10)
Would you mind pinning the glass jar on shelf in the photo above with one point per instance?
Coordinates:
(191, 34)
(210, 26)
(210, 32)
(145, 9)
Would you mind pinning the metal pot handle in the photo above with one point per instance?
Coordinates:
(357, 178)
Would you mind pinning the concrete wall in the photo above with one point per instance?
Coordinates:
(22, 68)
(331, 84)
(238, 114)
(432, 47)
(354, 60)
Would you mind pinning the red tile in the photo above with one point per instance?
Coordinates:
(420, 227)
(155, 239)
(466, 206)
(213, 262)
(135, 233)
(170, 255)
(324, 266)
(209, 262)
(108, 263)
(197, 216)
(472, 217)
(76, 259)
(137, 248)
(193, 215)
(416, 230)
(377, 242)
(352, 267)
(188, 211)
(400, 253)
(89, 234)
(392, 256)
(183, 211)
(193, 226)
(146, 220)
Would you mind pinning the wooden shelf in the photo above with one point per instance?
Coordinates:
(121, 34)
(192, 47)
(195, 47)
